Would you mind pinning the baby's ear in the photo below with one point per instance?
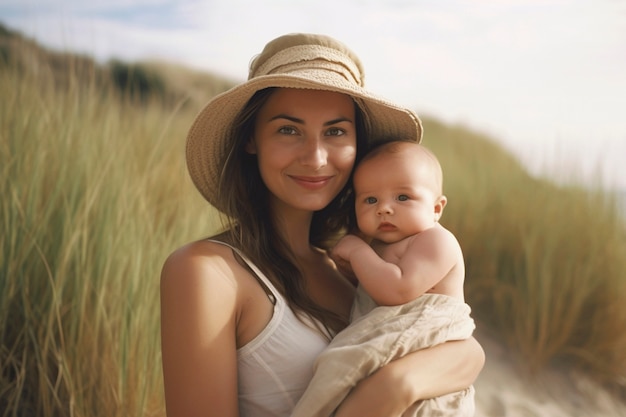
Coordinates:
(250, 146)
(440, 204)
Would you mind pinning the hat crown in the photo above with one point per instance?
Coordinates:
(297, 54)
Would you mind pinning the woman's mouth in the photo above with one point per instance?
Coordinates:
(311, 183)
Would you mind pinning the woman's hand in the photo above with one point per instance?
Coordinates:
(427, 373)
(377, 396)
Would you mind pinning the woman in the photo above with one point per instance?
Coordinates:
(245, 314)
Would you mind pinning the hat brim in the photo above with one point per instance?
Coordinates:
(207, 140)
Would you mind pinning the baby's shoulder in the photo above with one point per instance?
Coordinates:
(436, 238)
(437, 232)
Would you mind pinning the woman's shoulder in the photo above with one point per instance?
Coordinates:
(200, 260)
(206, 249)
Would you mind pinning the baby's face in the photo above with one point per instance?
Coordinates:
(395, 196)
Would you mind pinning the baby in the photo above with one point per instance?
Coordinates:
(410, 271)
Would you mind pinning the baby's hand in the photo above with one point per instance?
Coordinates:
(341, 255)
(345, 269)
(342, 252)
(343, 249)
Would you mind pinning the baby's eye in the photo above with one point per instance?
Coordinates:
(335, 131)
(287, 130)
(403, 197)
(370, 200)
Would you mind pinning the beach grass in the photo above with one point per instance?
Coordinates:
(93, 190)
(546, 262)
(95, 195)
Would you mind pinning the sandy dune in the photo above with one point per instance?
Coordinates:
(502, 390)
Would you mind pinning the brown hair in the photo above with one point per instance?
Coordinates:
(391, 146)
(244, 198)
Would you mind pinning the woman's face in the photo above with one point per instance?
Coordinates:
(305, 142)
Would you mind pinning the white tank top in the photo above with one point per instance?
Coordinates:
(275, 367)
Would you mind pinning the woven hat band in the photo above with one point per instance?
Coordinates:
(310, 57)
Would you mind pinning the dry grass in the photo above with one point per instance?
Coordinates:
(93, 187)
(545, 263)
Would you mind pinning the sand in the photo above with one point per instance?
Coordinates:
(504, 390)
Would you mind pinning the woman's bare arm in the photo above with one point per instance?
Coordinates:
(427, 373)
(198, 313)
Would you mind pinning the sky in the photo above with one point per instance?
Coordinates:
(545, 78)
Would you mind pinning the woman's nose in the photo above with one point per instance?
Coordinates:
(315, 153)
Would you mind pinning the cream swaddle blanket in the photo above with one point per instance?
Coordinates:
(379, 336)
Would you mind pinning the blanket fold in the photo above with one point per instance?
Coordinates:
(380, 336)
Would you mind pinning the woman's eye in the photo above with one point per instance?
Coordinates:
(335, 131)
(287, 130)
(403, 197)
(370, 200)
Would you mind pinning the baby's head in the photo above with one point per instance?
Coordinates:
(398, 191)
(422, 158)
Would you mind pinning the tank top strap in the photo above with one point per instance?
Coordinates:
(266, 284)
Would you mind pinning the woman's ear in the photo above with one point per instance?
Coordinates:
(250, 146)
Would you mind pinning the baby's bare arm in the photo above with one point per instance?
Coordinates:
(365, 263)
(433, 261)
(427, 260)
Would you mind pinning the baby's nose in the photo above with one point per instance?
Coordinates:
(384, 208)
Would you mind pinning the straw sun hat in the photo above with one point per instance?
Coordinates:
(306, 61)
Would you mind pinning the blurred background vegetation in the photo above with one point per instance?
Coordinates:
(95, 195)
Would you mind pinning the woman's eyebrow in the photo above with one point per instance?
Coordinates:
(338, 120)
(300, 121)
(290, 118)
